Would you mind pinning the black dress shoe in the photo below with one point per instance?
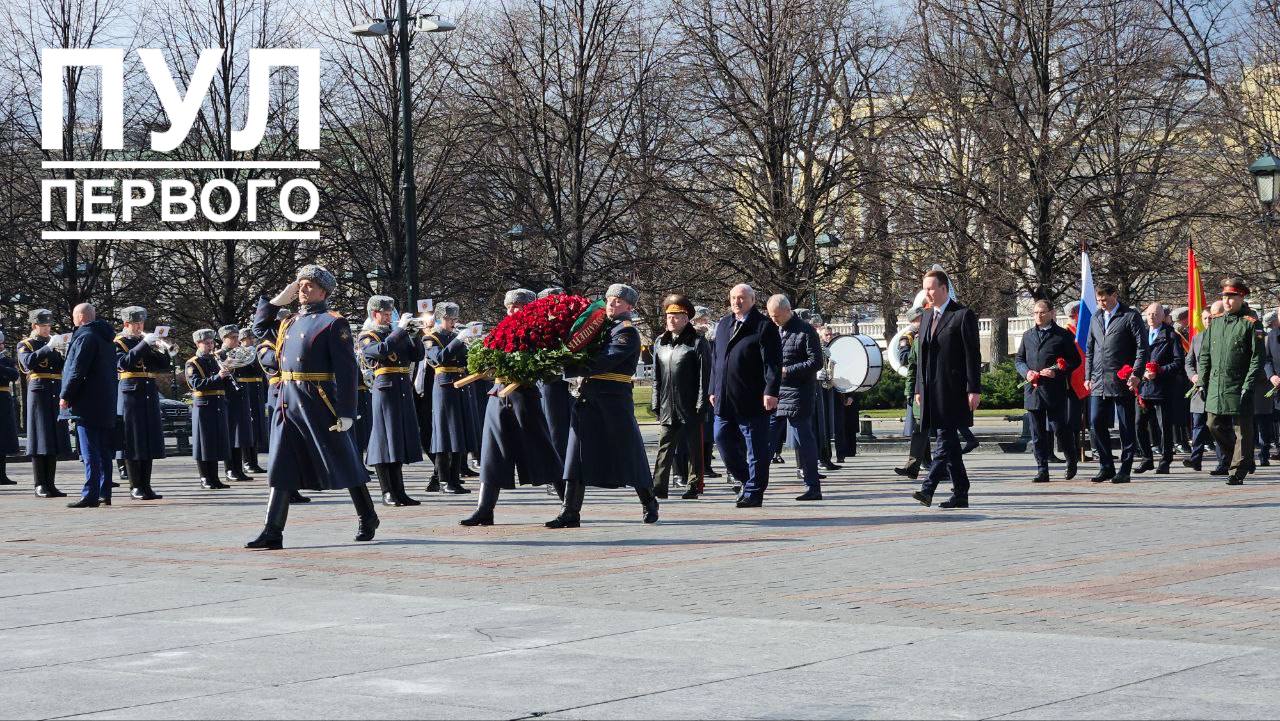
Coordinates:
(1041, 477)
(955, 503)
(821, 477)
(268, 540)
(364, 531)
(255, 469)
(810, 495)
(1236, 479)
(388, 499)
(777, 458)
(1162, 470)
(1264, 461)
(213, 485)
(1071, 470)
(564, 522)
(710, 473)
(692, 493)
(466, 472)
(433, 486)
(1193, 465)
(404, 499)
(1220, 472)
(969, 447)
(49, 492)
(477, 519)
(84, 503)
(829, 466)
(1103, 477)
(908, 472)
(104, 501)
(650, 512)
(1146, 465)
(295, 497)
(456, 488)
(114, 484)
(925, 500)
(139, 494)
(1121, 478)
(749, 503)
(7, 481)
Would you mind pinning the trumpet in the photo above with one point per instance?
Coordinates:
(169, 349)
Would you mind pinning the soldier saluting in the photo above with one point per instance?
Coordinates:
(310, 443)
(139, 363)
(47, 437)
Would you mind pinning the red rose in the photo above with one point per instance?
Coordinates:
(1153, 367)
(1125, 372)
(1061, 363)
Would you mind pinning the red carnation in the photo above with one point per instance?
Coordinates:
(1061, 363)
(1153, 367)
(1125, 373)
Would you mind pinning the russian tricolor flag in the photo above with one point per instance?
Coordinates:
(1088, 300)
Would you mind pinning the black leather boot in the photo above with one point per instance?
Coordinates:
(272, 536)
(209, 476)
(134, 474)
(453, 481)
(433, 486)
(402, 497)
(650, 504)
(483, 515)
(558, 487)
(123, 467)
(251, 462)
(146, 467)
(571, 512)
(235, 467)
(45, 469)
(5, 480)
(383, 471)
(365, 510)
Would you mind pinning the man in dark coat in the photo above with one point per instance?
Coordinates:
(453, 430)
(801, 359)
(1117, 338)
(139, 363)
(681, 377)
(9, 374)
(1200, 435)
(1161, 391)
(514, 438)
(210, 438)
(1046, 359)
(393, 438)
(239, 415)
(746, 376)
(47, 434)
(918, 454)
(311, 446)
(255, 385)
(605, 448)
(89, 396)
(948, 386)
(1230, 369)
(1271, 368)
(266, 325)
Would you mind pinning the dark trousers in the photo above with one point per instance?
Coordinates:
(1103, 411)
(1044, 429)
(1200, 437)
(1074, 421)
(948, 462)
(1234, 437)
(679, 444)
(798, 431)
(846, 425)
(745, 448)
(919, 453)
(95, 453)
(822, 422)
(1266, 435)
(1156, 420)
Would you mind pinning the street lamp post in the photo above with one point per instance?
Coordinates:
(378, 28)
(1266, 182)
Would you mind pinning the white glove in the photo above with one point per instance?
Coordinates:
(406, 321)
(343, 425)
(286, 296)
(59, 343)
(150, 338)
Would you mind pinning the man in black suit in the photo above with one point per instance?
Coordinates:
(948, 386)
(747, 363)
(1161, 390)
(1117, 339)
(1046, 359)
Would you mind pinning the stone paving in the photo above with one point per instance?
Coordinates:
(1158, 599)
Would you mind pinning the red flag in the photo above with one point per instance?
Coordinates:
(1195, 295)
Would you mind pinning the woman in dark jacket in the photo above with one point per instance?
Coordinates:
(681, 376)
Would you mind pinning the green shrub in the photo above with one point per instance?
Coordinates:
(1000, 387)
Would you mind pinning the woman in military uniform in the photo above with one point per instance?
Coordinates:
(210, 438)
(311, 443)
(47, 437)
(606, 449)
(9, 373)
(138, 364)
(393, 439)
(453, 428)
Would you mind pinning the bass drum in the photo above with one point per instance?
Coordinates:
(856, 363)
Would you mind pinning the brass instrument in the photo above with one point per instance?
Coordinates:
(826, 376)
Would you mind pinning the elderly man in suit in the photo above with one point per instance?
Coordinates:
(1117, 338)
(948, 386)
(1160, 392)
(746, 375)
(1046, 359)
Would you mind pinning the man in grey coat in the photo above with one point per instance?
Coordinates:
(1117, 338)
(797, 399)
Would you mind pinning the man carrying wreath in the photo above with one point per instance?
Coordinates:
(1046, 358)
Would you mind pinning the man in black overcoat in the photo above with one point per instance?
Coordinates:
(1046, 359)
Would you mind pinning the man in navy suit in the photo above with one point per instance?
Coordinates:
(744, 391)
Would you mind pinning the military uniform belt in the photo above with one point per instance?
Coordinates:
(449, 369)
(44, 376)
(391, 369)
(125, 375)
(616, 377)
(299, 376)
(250, 379)
(5, 389)
(274, 380)
(207, 394)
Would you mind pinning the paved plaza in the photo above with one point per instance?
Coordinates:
(1159, 599)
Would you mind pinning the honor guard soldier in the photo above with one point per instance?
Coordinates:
(47, 437)
(311, 446)
(393, 437)
(606, 449)
(479, 401)
(239, 417)
(1231, 361)
(265, 327)
(210, 437)
(140, 361)
(515, 437)
(364, 400)
(8, 417)
(453, 430)
(556, 399)
(255, 387)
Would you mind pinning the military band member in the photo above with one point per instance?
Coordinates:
(255, 386)
(453, 429)
(1230, 366)
(515, 438)
(311, 446)
(47, 437)
(393, 439)
(239, 416)
(479, 401)
(140, 362)
(556, 399)
(266, 326)
(210, 437)
(606, 449)
(364, 400)
(9, 373)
